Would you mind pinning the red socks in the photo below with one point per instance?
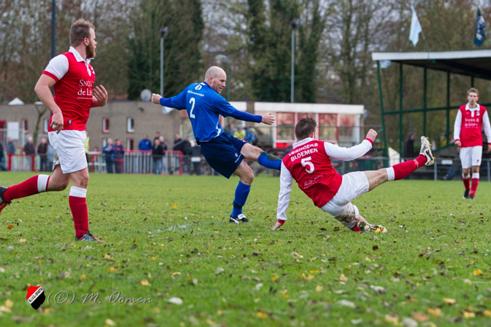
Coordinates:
(474, 185)
(38, 184)
(80, 211)
(33, 185)
(404, 169)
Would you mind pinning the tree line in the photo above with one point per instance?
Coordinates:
(250, 39)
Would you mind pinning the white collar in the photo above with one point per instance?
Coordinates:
(469, 108)
(302, 142)
(77, 55)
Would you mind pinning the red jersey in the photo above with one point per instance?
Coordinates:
(311, 167)
(73, 91)
(469, 129)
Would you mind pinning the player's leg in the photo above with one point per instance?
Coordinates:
(77, 200)
(474, 181)
(349, 215)
(33, 185)
(404, 169)
(476, 156)
(246, 176)
(251, 152)
(465, 155)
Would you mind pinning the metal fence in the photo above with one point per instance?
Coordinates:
(175, 163)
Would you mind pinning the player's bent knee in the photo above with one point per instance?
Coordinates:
(58, 186)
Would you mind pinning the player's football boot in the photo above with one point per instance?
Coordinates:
(362, 227)
(88, 237)
(466, 194)
(241, 218)
(278, 224)
(377, 229)
(3, 203)
(426, 151)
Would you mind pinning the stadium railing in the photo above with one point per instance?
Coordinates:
(175, 163)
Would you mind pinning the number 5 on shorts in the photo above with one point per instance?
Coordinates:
(307, 163)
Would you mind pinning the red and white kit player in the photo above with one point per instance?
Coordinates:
(73, 78)
(471, 119)
(309, 164)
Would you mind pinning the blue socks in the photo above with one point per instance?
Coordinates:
(266, 161)
(241, 193)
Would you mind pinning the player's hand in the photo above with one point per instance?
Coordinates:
(57, 122)
(278, 224)
(371, 135)
(267, 119)
(489, 148)
(156, 98)
(100, 94)
(458, 144)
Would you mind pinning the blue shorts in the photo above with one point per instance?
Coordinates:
(223, 153)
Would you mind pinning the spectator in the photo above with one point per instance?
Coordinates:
(240, 133)
(50, 154)
(196, 159)
(108, 151)
(10, 147)
(42, 151)
(2, 158)
(29, 151)
(164, 157)
(184, 147)
(157, 155)
(119, 156)
(409, 148)
(250, 136)
(145, 144)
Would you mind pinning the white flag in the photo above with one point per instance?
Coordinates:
(415, 28)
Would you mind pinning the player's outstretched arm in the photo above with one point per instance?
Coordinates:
(225, 109)
(354, 152)
(176, 102)
(268, 119)
(44, 94)
(99, 96)
(156, 98)
(283, 197)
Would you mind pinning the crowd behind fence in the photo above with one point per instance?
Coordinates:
(176, 163)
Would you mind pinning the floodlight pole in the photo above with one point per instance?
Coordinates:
(53, 28)
(294, 26)
(163, 34)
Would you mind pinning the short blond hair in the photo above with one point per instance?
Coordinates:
(79, 30)
(472, 90)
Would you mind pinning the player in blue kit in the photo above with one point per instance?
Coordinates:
(222, 151)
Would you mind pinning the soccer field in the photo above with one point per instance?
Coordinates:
(171, 258)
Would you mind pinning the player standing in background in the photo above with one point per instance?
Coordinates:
(309, 163)
(73, 80)
(469, 123)
(222, 151)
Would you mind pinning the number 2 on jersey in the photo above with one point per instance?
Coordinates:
(307, 164)
(192, 102)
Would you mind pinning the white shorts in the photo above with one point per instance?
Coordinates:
(353, 185)
(70, 150)
(470, 156)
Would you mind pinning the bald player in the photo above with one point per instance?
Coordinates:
(223, 152)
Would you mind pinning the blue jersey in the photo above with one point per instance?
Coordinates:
(204, 105)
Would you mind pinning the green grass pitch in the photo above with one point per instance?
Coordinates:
(170, 258)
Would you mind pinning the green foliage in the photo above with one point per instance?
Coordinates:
(182, 45)
(270, 48)
(168, 236)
